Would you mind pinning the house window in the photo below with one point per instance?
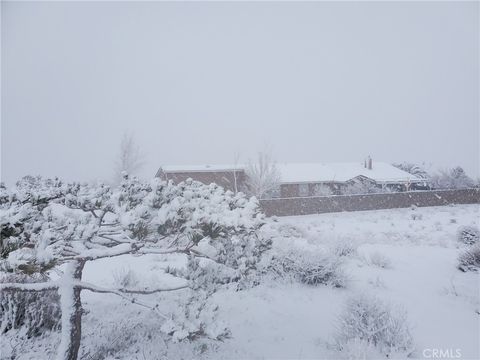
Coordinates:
(303, 190)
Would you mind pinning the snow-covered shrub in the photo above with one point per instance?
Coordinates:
(356, 349)
(369, 320)
(344, 247)
(227, 223)
(377, 283)
(379, 260)
(196, 319)
(125, 278)
(113, 339)
(19, 211)
(469, 260)
(416, 216)
(289, 231)
(309, 268)
(468, 235)
(454, 178)
(35, 312)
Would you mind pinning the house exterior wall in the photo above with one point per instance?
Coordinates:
(289, 190)
(293, 190)
(226, 179)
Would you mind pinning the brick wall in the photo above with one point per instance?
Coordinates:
(326, 204)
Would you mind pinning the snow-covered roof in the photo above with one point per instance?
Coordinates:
(315, 172)
(341, 172)
(200, 168)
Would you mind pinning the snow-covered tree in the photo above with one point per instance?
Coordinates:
(454, 178)
(129, 159)
(48, 224)
(263, 176)
(413, 169)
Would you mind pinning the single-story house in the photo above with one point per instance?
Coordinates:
(302, 179)
(228, 176)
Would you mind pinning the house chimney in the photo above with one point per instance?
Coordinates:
(369, 162)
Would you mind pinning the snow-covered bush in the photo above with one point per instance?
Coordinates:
(356, 349)
(200, 216)
(113, 339)
(344, 247)
(33, 312)
(309, 268)
(379, 260)
(468, 235)
(469, 260)
(368, 320)
(289, 230)
(454, 178)
(125, 278)
(416, 216)
(196, 319)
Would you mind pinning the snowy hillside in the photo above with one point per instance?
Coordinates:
(405, 258)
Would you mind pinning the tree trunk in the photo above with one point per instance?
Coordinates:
(71, 305)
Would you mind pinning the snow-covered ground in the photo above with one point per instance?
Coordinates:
(405, 256)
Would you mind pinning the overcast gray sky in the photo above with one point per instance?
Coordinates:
(197, 82)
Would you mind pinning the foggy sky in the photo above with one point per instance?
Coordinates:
(197, 82)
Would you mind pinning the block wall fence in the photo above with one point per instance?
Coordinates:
(328, 204)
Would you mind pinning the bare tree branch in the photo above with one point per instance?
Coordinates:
(94, 254)
(94, 288)
(120, 293)
(130, 159)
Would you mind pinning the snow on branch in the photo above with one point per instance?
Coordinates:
(145, 291)
(122, 293)
(95, 254)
